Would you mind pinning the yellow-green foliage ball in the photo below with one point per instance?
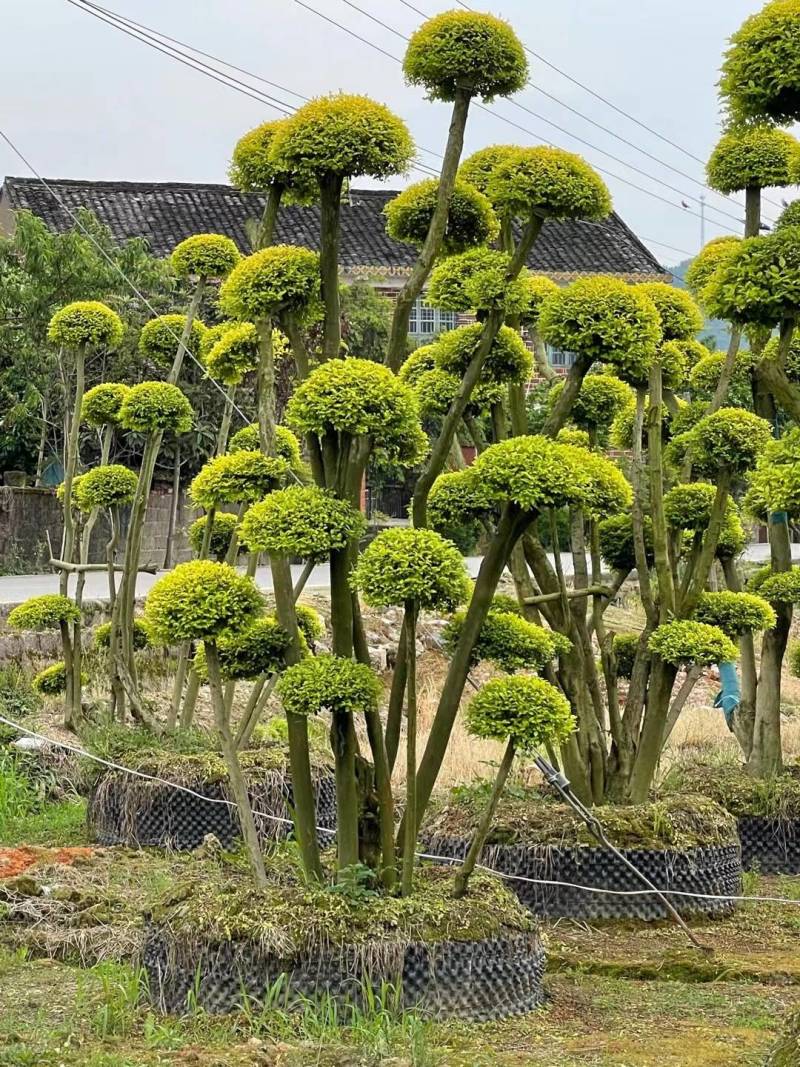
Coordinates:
(329, 683)
(681, 318)
(52, 681)
(477, 280)
(541, 180)
(343, 135)
(200, 600)
(732, 536)
(161, 336)
(790, 216)
(753, 157)
(570, 435)
(457, 497)
(686, 641)
(107, 486)
(688, 506)
(465, 50)
(735, 613)
(693, 350)
(531, 472)
(705, 375)
(528, 711)
(759, 283)
(761, 70)
(205, 255)
(540, 289)
(421, 360)
(45, 612)
(730, 438)
(360, 398)
(212, 334)
(101, 404)
(409, 565)
(234, 355)
(153, 406)
(470, 217)
(302, 521)
(257, 649)
(625, 647)
(141, 635)
(223, 527)
(86, 322)
(437, 389)
(310, 624)
(507, 640)
(781, 588)
(606, 320)
(479, 168)
(603, 488)
(277, 279)
(708, 259)
(617, 542)
(509, 360)
(286, 444)
(237, 477)
(252, 168)
(600, 398)
(774, 485)
(674, 365)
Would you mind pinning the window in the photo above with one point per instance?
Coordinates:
(562, 360)
(426, 321)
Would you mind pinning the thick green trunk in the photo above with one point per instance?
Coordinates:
(410, 838)
(330, 206)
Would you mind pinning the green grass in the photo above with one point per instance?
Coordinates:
(27, 816)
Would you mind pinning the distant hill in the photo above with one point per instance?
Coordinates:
(715, 333)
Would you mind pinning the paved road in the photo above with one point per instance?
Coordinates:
(16, 588)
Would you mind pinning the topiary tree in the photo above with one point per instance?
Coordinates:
(681, 318)
(760, 73)
(54, 611)
(525, 713)
(223, 526)
(735, 613)
(477, 280)
(471, 220)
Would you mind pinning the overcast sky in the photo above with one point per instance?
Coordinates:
(84, 101)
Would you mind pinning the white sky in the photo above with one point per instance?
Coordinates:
(84, 101)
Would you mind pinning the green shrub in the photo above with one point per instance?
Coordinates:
(52, 681)
(253, 169)
(465, 50)
(735, 613)
(457, 498)
(793, 658)
(282, 278)
(509, 360)
(545, 181)
(477, 280)
(234, 355)
(329, 683)
(200, 599)
(479, 168)
(420, 361)
(604, 489)
(730, 438)
(570, 435)
(237, 477)
(160, 337)
(255, 650)
(86, 322)
(790, 216)
(470, 217)
(205, 255)
(286, 444)
(141, 635)
(706, 373)
(625, 647)
(45, 612)
(532, 472)
(302, 521)
(761, 70)
(754, 156)
(101, 404)
(528, 711)
(153, 406)
(686, 641)
(710, 257)
(223, 527)
(782, 588)
(606, 320)
(688, 506)
(674, 365)
(309, 623)
(759, 283)
(600, 399)
(402, 565)
(436, 390)
(360, 398)
(540, 289)
(774, 484)
(107, 486)
(616, 542)
(681, 318)
(508, 640)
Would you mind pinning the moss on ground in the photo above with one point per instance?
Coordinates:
(729, 784)
(526, 817)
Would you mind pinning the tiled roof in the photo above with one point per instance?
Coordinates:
(166, 212)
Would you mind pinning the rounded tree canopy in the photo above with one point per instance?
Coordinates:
(421, 360)
(254, 170)
(343, 136)
(52, 681)
(276, 279)
(470, 217)
(477, 280)
(547, 182)
(735, 613)
(234, 354)
(212, 334)
(761, 69)
(681, 318)
(106, 486)
(759, 283)
(571, 435)
(141, 635)
(257, 649)
(674, 365)
(286, 444)
(479, 168)
(617, 544)
(153, 406)
(329, 683)
(753, 157)
(604, 488)
(85, 322)
(200, 600)
(781, 588)
(222, 529)
(687, 641)
(730, 438)
(302, 521)
(309, 622)
(774, 485)
(237, 477)
(410, 565)
(540, 288)
(437, 389)
(100, 405)
(693, 350)
(468, 51)
(532, 472)
(529, 712)
(457, 497)
(625, 647)
(607, 320)
(205, 255)
(360, 398)
(45, 612)
(509, 360)
(508, 640)
(732, 537)
(790, 216)
(705, 375)
(600, 398)
(160, 337)
(704, 265)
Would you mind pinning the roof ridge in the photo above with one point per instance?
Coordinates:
(115, 184)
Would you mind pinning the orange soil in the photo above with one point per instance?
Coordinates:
(14, 861)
